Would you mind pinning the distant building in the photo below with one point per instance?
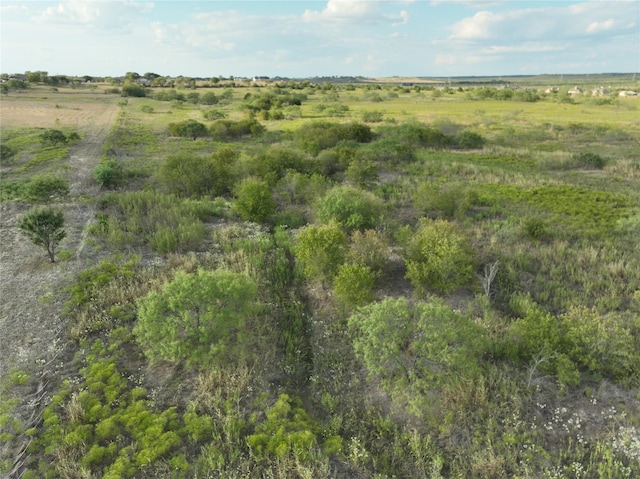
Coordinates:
(600, 91)
(257, 79)
(628, 93)
(553, 89)
(575, 91)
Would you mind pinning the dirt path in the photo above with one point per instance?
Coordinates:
(30, 321)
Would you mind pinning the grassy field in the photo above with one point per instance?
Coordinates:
(359, 281)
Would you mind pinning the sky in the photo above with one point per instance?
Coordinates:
(302, 39)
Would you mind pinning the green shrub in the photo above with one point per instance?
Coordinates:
(195, 317)
(470, 140)
(321, 249)
(587, 159)
(52, 137)
(288, 431)
(372, 116)
(187, 174)
(213, 114)
(352, 208)
(353, 285)
(448, 201)
(368, 249)
(133, 90)
(254, 200)
(362, 173)
(415, 347)
(43, 189)
(109, 173)
(600, 344)
(439, 257)
(320, 135)
(534, 228)
(6, 152)
(189, 129)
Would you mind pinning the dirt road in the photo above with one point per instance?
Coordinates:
(30, 321)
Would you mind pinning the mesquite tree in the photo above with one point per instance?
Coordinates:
(44, 227)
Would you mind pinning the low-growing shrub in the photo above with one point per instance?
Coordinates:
(53, 137)
(587, 159)
(353, 285)
(44, 189)
(439, 257)
(188, 129)
(350, 207)
(254, 200)
(195, 317)
(321, 249)
(109, 173)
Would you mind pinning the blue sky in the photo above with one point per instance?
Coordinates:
(298, 38)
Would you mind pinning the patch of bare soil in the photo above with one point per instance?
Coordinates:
(31, 326)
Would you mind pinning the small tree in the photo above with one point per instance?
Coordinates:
(44, 227)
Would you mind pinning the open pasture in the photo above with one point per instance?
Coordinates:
(42, 108)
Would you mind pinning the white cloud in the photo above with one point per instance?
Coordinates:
(528, 47)
(95, 14)
(477, 4)
(442, 59)
(355, 12)
(537, 24)
(600, 26)
(476, 27)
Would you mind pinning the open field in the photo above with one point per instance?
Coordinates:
(344, 281)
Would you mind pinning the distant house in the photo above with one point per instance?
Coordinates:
(600, 91)
(575, 91)
(553, 89)
(628, 93)
(256, 79)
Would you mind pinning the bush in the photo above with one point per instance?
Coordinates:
(109, 173)
(43, 189)
(6, 152)
(535, 228)
(52, 137)
(209, 98)
(447, 201)
(350, 207)
(588, 159)
(320, 135)
(189, 129)
(470, 140)
(372, 116)
(439, 257)
(213, 114)
(368, 249)
(321, 249)
(353, 285)
(254, 200)
(414, 348)
(195, 317)
(133, 91)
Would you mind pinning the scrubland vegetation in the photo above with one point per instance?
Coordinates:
(359, 281)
